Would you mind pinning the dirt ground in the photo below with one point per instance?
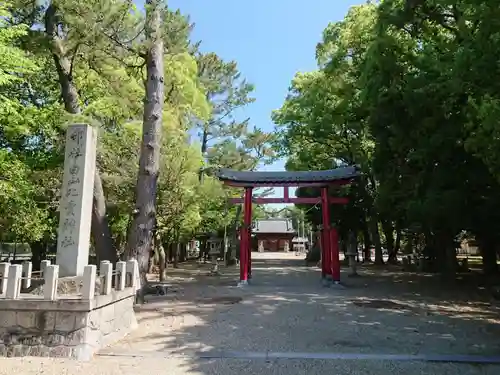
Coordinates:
(285, 322)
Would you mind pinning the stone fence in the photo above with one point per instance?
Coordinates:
(16, 277)
(38, 317)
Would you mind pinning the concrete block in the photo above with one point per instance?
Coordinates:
(121, 272)
(106, 273)
(81, 320)
(132, 274)
(49, 321)
(43, 266)
(50, 276)
(65, 321)
(27, 319)
(89, 277)
(14, 282)
(7, 319)
(4, 274)
(26, 274)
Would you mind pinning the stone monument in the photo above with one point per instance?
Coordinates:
(261, 247)
(79, 309)
(76, 200)
(214, 244)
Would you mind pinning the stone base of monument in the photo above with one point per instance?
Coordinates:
(72, 317)
(65, 328)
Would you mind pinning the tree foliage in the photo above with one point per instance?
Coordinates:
(404, 90)
(63, 62)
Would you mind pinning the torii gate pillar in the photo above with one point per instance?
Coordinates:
(245, 247)
(330, 262)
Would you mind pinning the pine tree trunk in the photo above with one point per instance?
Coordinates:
(100, 228)
(204, 148)
(141, 231)
(101, 231)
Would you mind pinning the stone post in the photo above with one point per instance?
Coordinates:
(4, 275)
(43, 266)
(77, 192)
(27, 269)
(287, 246)
(260, 247)
(50, 276)
(352, 251)
(14, 282)
(106, 274)
(121, 271)
(89, 275)
(132, 274)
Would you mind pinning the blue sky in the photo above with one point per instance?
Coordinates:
(271, 40)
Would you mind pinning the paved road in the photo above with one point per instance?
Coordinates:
(284, 323)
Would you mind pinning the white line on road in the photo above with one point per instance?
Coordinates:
(223, 354)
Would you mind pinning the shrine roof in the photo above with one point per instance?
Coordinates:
(273, 226)
(287, 177)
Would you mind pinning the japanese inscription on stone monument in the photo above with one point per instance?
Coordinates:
(76, 200)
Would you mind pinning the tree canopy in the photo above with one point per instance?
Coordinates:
(404, 89)
(63, 62)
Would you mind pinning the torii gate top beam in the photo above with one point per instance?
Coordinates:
(338, 176)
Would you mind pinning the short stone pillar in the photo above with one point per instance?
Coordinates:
(4, 275)
(89, 277)
(27, 270)
(50, 277)
(106, 275)
(121, 273)
(261, 247)
(14, 282)
(77, 192)
(133, 279)
(287, 247)
(43, 266)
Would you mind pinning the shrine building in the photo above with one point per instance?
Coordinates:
(273, 235)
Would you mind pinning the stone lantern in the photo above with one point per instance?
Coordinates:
(214, 244)
(352, 252)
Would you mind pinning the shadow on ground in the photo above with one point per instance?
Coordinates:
(286, 310)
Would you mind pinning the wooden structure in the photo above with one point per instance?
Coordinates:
(322, 179)
(273, 234)
(300, 244)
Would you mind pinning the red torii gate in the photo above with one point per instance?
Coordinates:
(330, 263)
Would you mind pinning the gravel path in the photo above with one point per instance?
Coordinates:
(286, 310)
